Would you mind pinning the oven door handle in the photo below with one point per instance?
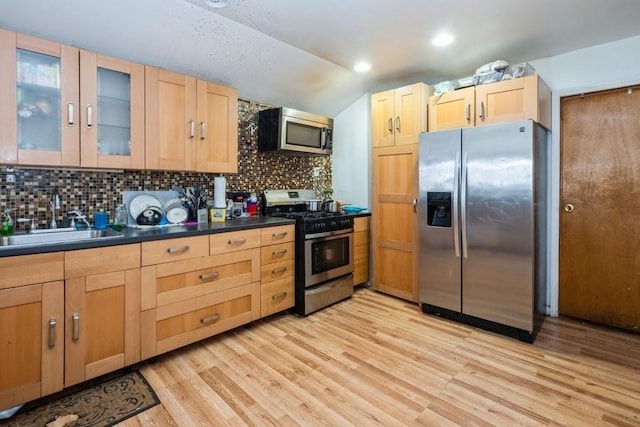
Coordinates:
(327, 234)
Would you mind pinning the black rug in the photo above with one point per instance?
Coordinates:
(97, 404)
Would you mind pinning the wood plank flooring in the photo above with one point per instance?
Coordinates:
(377, 360)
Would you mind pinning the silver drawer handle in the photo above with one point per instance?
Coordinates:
(210, 319)
(237, 241)
(279, 253)
(279, 235)
(76, 327)
(192, 129)
(89, 116)
(279, 270)
(52, 333)
(203, 130)
(185, 248)
(207, 276)
(281, 295)
(70, 120)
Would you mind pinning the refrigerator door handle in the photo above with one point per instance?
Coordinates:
(463, 203)
(456, 185)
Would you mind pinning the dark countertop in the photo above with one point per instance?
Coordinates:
(137, 235)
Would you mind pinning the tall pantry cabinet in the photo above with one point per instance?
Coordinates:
(398, 117)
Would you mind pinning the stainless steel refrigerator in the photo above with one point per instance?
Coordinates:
(483, 210)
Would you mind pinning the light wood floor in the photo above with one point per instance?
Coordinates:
(377, 360)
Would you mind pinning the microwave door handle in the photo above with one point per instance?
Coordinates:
(325, 139)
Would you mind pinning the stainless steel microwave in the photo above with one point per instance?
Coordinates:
(286, 129)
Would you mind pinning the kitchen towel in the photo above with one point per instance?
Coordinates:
(219, 192)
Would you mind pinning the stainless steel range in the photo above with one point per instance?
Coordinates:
(324, 249)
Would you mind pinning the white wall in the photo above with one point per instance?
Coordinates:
(351, 154)
(596, 68)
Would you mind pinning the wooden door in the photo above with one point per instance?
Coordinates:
(410, 113)
(39, 108)
(217, 128)
(452, 110)
(102, 311)
(600, 208)
(112, 116)
(382, 111)
(31, 356)
(170, 105)
(395, 236)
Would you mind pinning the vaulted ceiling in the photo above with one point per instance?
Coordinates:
(300, 54)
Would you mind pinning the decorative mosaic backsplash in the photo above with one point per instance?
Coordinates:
(94, 190)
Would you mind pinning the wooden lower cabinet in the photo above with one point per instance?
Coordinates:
(360, 250)
(191, 299)
(31, 327)
(66, 317)
(102, 311)
(277, 272)
(394, 221)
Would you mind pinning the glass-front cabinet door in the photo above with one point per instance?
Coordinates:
(39, 83)
(112, 112)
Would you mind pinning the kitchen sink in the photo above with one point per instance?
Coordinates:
(62, 236)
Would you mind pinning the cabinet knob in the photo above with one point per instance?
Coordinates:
(568, 208)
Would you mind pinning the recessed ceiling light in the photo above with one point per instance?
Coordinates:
(362, 67)
(443, 39)
(217, 3)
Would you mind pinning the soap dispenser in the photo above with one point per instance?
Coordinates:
(7, 225)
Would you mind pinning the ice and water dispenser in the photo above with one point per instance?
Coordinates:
(439, 208)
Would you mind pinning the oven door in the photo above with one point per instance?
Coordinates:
(327, 256)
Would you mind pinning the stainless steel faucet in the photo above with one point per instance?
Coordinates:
(80, 217)
(55, 204)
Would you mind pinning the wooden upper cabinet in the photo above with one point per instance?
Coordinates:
(39, 82)
(398, 116)
(506, 101)
(217, 146)
(512, 100)
(452, 110)
(112, 112)
(171, 120)
(191, 124)
(382, 110)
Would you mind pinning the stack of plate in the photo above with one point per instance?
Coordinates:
(175, 211)
(146, 210)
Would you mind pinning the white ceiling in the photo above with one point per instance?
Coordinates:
(300, 54)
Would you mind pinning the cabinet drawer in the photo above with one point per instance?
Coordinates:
(189, 279)
(276, 271)
(88, 262)
(280, 234)
(360, 271)
(276, 253)
(234, 241)
(174, 249)
(361, 238)
(360, 224)
(361, 251)
(31, 269)
(276, 296)
(189, 321)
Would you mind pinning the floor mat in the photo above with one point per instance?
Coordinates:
(97, 405)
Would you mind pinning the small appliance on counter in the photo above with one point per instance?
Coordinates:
(323, 249)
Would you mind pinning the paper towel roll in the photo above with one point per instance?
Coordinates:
(219, 192)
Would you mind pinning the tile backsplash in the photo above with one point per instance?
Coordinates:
(93, 190)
